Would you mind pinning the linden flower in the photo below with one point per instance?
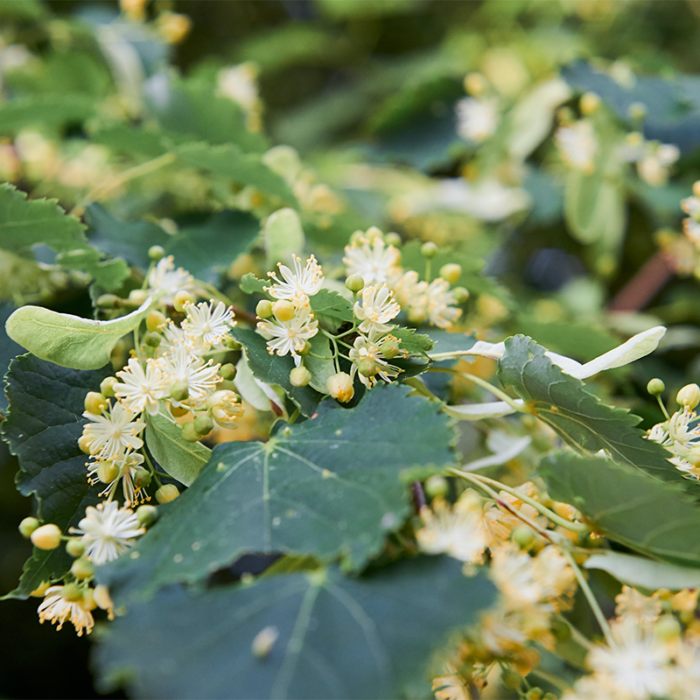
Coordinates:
(458, 530)
(365, 351)
(407, 288)
(638, 666)
(167, 281)
(207, 323)
(377, 308)
(108, 531)
(141, 390)
(640, 608)
(285, 337)
(436, 304)
(691, 229)
(578, 145)
(200, 377)
(114, 432)
(239, 85)
(127, 464)
(298, 285)
(58, 610)
(225, 408)
(654, 167)
(681, 436)
(374, 261)
(476, 119)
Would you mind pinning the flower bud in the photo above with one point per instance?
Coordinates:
(167, 493)
(437, 486)
(300, 376)
(460, 294)
(138, 296)
(340, 387)
(84, 442)
(95, 402)
(522, 536)
(429, 250)
(355, 283)
(667, 628)
(367, 367)
(147, 515)
(203, 425)
(178, 411)
(155, 320)
(394, 239)
(88, 600)
(107, 471)
(264, 308)
(180, 391)
(264, 641)
(156, 253)
(189, 433)
(451, 272)
(227, 371)
(153, 339)
(72, 592)
(389, 347)
(82, 569)
(306, 349)
(231, 343)
(283, 310)
(102, 598)
(182, 299)
(75, 547)
(689, 396)
(27, 526)
(656, 387)
(107, 387)
(142, 478)
(589, 103)
(107, 301)
(416, 315)
(46, 537)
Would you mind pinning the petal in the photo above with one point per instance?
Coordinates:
(477, 411)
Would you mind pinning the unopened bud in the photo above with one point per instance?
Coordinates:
(75, 548)
(667, 628)
(182, 299)
(460, 294)
(84, 442)
(367, 367)
(155, 320)
(189, 433)
(300, 376)
(340, 387)
(283, 310)
(156, 253)
(107, 301)
(46, 536)
(264, 308)
(95, 402)
(107, 387)
(27, 526)
(306, 349)
(72, 592)
(522, 536)
(689, 396)
(142, 478)
(82, 569)
(167, 493)
(656, 387)
(147, 515)
(437, 486)
(231, 343)
(227, 371)
(180, 391)
(451, 272)
(264, 641)
(429, 250)
(153, 339)
(102, 598)
(88, 599)
(203, 425)
(138, 296)
(589, 103)
(416, 315)
(178, 411)
(355, 283)
(107, 471)
(393, 238)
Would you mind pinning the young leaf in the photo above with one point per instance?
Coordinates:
(331, 305)
(283, 237)
(67, 340)
(628, 505)
(42, 428)
(181, 459)
(250, 284)
(562, 402)
(339, 637)
(412, 342)
(272, 369)
(328, 486)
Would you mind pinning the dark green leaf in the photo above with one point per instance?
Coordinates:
(629, 506)
(370, 637)
(330, 486)
(42, 428)
(331, 305)
(8, 348)
(272, 369)
(579, 417)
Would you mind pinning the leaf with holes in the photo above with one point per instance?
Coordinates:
(330, 486)
(338, 637)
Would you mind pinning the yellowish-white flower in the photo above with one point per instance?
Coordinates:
(285, 337)
(239, 84)
(127, 464)
(640, 608)
(207, 323)
(477, 119)
(578, 145)
(654, 166)
(57, 610)
(113, 432)
(141, 389)
(166, 281)
(407, 288)
(377, 309)
(691, 228)
(299, 284)
(366, 351)
(374, 260)
(438, 304)
(108, 531)
(225, 408)
(181, 365)
(455, 530)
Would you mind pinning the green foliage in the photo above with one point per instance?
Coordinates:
(49, 111)
(414, 343)
(283, 237)
(42, 428)
(330, 486)
(250, 284)
(383, 651)
(330, 305)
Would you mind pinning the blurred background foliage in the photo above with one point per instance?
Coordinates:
(368, 94)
